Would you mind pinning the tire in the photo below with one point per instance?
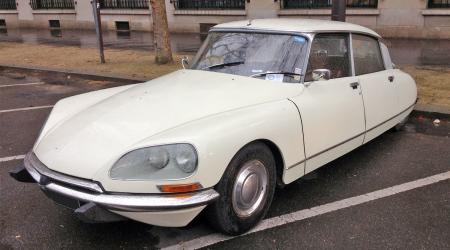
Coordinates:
(241, 206)
(400, 125)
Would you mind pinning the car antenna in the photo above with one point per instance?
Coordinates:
(249, 22)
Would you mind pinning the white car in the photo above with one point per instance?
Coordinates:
(263, 103)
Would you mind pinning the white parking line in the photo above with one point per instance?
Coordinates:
(22, 84)
(315, 211)
(12, 158)
(28, 108)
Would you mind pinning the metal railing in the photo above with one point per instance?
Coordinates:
(209, 4)
(321, 4)
(438, 3)
(305, 4)
(7, 4)
(52, 4)
(124, 4)
(362, 4)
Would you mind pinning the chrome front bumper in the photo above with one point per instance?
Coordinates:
(89, 191)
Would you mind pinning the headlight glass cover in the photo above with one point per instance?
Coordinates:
(165, 162)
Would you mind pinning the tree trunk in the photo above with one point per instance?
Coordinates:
(163, 52)
(338, 10)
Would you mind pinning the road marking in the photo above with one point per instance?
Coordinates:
(22, 84)
(28, 108)
(314, 211)
(12, 158)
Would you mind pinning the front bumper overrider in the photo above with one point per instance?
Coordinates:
(88, 191)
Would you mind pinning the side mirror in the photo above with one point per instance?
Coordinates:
(185, 62)
(321, 74)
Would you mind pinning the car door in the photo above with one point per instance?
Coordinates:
(377, 84)
(332, 110)
(404, 84)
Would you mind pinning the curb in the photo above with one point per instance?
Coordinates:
(430, 115)
(110, 77)
(430, 111)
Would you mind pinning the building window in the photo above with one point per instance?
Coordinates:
(7, 4)
(438, 3)
(122, 26)
(52, 4)
(124, 4)
(209, 4)
(54, 24)
(320, 4)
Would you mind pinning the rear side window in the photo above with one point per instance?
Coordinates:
(367, 55)
(329, 51)
(386, 57)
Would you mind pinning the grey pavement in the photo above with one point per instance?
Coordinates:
(415, 219)
(411, 220)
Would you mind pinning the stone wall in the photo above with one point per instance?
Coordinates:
(392, 18)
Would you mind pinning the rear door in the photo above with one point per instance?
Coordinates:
(332, 111)
(377, 84)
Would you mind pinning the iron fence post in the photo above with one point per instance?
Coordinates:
(98, 28)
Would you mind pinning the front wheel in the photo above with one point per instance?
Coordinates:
(246, 190)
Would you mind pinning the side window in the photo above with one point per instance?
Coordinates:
(367, 55)
(329, 51)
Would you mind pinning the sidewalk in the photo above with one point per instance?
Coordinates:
(135, 40)
(120, 63)
(433, 82)
(433, 85)
(403, 51)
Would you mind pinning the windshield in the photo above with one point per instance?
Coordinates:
(276, 57)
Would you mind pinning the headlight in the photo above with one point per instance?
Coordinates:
(164, 162)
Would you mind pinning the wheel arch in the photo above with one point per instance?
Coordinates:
(278, 157)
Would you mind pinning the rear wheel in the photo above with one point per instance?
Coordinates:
(401, 124)
(246, 190)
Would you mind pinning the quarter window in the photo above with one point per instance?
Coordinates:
(386, 57)
(367, 55)
(329, 51)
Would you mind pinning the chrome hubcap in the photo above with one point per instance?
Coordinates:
(249, 188)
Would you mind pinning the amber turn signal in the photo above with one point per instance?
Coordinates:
(181, 188)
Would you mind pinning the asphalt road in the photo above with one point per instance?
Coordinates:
(415, 219)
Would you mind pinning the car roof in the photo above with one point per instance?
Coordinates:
(295, 25)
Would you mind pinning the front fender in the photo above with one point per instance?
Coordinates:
(218, 138)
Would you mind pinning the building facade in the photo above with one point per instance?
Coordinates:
(391, 18)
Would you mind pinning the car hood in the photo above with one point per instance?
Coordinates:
(99, 134)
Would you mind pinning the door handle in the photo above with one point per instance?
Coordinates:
(391, 78)
(354, 85)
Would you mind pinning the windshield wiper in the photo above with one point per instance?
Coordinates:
(223, 64)
(291, 74)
